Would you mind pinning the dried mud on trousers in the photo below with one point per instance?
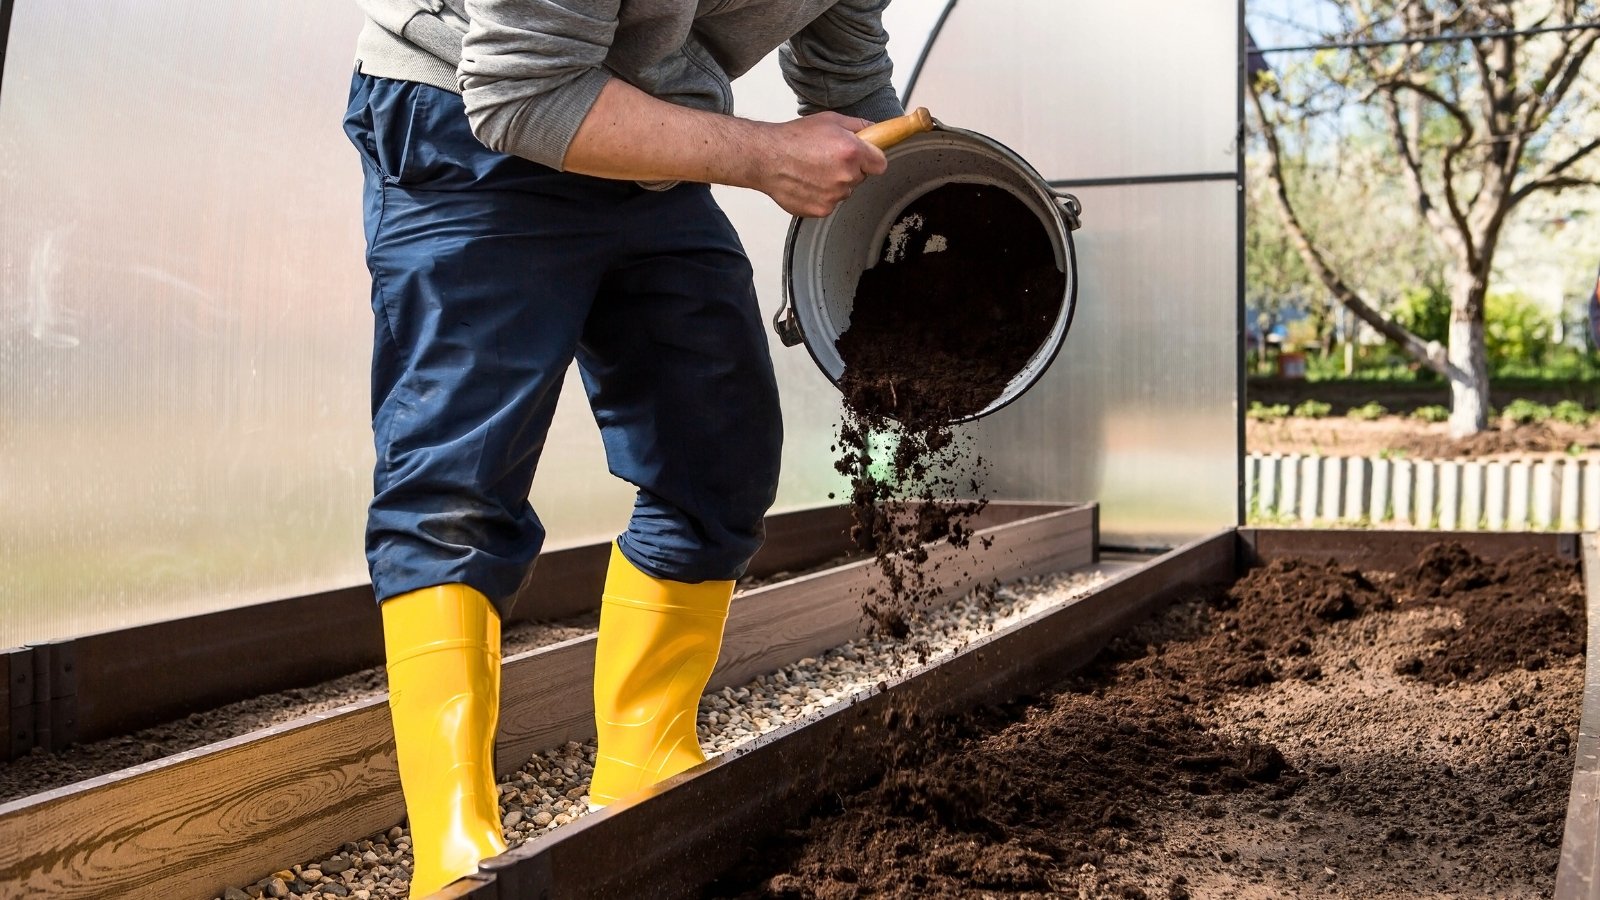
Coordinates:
(964, 292)
(1265, 740)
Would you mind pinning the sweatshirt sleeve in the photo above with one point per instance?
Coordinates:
(531, 70)
(840, 62)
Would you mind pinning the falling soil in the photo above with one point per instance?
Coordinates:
(965, 292)
(1255, 743)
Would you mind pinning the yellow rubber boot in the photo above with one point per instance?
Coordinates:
(443, 648)
(657, 646)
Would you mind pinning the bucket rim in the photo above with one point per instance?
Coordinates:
(788, 323)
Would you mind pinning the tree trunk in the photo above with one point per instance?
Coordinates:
(1469, 358)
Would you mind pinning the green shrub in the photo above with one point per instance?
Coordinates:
(1264, 413)
(1425, 312)
(1368, 412)
(1434, 413)
(1522, 411)
(1313, 409)
(1571, 412)
(1516, 330)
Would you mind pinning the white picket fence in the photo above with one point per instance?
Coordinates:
(1453, 494)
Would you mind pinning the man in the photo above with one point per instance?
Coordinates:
(536, 192)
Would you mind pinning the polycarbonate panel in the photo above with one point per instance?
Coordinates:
(184, 320)
(1140, 410)
(1092, 90)
(185, 329)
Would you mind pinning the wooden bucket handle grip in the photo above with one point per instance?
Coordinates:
(889, 132)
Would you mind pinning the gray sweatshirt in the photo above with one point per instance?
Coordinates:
(529, 70)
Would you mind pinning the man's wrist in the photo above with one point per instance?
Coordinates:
(747, 153)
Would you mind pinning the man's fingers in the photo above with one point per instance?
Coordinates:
(875, 162)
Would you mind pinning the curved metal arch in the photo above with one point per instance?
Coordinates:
(922, 59)
(5, 33)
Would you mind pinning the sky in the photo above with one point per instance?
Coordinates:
(1289, 22)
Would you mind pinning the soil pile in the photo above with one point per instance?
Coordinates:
(966, 290)
(1209, 754)
(1521, 613)
(1531, 438)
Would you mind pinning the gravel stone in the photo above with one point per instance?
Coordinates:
(551, 790)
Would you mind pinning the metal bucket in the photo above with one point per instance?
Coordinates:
(825, 257)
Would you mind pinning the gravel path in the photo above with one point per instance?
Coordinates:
(549, 791)
(43, 771)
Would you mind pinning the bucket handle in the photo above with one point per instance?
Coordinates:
(1071, 209)
(785, 322)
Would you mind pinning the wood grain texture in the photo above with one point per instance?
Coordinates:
(123, 685)
(190, 825)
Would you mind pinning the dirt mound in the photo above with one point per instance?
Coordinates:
(1131, 780)
(965, 291)
(1520, 613)
(1530, 438)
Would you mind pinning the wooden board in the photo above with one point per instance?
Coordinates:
(1388, 550)
(685, 832)
(190, 825)
(121, 685)
(1578, 873)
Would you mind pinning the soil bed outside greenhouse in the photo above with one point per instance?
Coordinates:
(1311, 731)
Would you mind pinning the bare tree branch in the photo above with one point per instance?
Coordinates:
(1551, 177)
(1464, 244)
(1557, 82)
(1413, 169)
(1429, 354)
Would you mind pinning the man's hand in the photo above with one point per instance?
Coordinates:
(813, 163)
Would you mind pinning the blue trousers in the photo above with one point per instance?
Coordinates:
(490, 275)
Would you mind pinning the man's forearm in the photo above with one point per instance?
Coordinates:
(807, 165)
(630, 135)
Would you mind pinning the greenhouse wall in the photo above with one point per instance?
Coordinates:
(185, 328)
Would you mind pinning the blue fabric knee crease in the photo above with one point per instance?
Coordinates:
(490, 275)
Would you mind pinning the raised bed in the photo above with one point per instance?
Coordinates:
(692, 830)
(190, 825)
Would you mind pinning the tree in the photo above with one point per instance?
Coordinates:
(1473, 127)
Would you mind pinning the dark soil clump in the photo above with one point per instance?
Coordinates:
(1520, 613)
(966, 290)
(1156, 773)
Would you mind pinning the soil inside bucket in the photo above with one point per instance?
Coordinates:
(1258, 742)
(966, 290)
